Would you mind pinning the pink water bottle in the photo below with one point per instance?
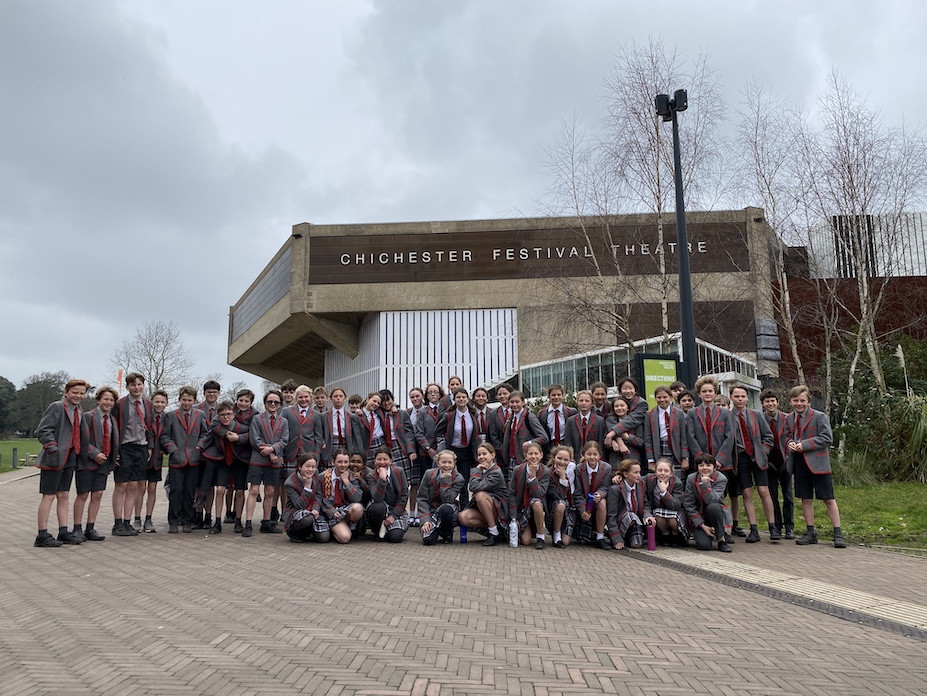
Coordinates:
(651, 537)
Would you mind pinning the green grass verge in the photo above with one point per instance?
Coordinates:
(890, 514)
(24, 446)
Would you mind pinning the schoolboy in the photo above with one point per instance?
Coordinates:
(320, 399)
(686, 401)
(780, 478)
(710, 431)
(809, 439)
(241, 452)
(133, 415)
(600, 399)
(677, 388)
(703, 500)
(210, 402)
(153, 474)
(585, 425)
(553, 417)
(218, 454)
(98, 458)
(752, 442)
(182, 441)
(59, 432)
(665, 433)
(354, 403)
(288, 389)
(269, 436)
(202, 518)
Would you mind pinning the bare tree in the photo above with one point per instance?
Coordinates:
(766, 136)
(838, 182)
(628, 167)
(157, 352)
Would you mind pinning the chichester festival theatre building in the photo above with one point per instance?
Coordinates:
(531, 301)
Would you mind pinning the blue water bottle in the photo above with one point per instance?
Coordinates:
(590, 502)
(463, 534)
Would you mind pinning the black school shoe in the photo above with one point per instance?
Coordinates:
(539, 544)
(270, 528)
(753, 536)
(724, 547)
(121, 529)
(603, 544)
(93, 535)
(70, 538)
(737, 531)
(47, 541)
(491, 540)
(559, 544)
(216, 528)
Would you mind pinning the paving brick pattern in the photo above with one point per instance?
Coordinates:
(192, 614)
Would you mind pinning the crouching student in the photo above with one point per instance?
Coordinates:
(561, 518)
(218, 455)
(593, 478)
(437, 502)
(528, 495)
(342, 492)
(389, 494)
(704, 503)
(663, 502)
(97, 461)
(489, 505)
(626, 509)
(59, 432)
(303, 519)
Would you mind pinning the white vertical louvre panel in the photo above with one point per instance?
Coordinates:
(401, 350)
(362, 374)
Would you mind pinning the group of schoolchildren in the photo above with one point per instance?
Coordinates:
(326, 467)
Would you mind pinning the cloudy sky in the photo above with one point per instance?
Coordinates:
(153, 155)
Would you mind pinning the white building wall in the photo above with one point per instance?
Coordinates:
(401, 350)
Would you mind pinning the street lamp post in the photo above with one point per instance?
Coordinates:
(667, 109)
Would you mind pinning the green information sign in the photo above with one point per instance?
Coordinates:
(655, 371)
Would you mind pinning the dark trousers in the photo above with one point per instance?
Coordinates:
(780, 478)
(713, 515)
(464, 464)
(180, 498)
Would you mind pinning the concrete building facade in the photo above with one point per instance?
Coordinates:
(395, 305)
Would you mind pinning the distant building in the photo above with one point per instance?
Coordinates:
(886, 246)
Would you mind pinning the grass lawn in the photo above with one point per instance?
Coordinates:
(885, 514)
(24, 446)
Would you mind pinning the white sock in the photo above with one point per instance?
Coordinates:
(599, 535)
(557, 536)
(541, 537)
(494, 530)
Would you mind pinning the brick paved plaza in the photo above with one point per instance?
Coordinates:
(192, 614)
